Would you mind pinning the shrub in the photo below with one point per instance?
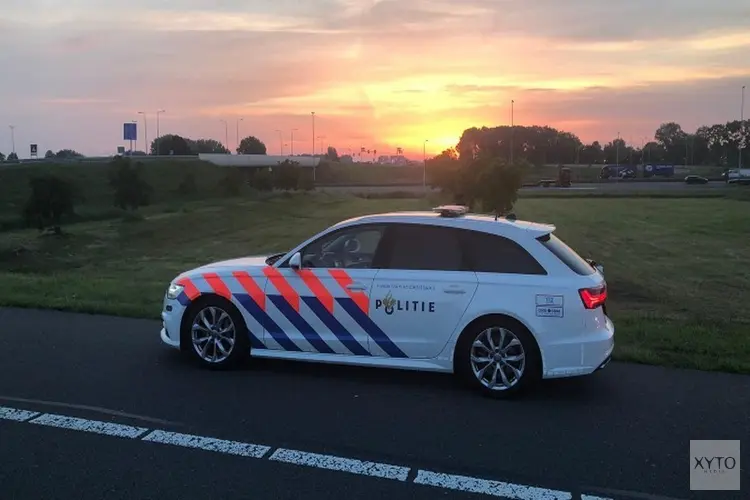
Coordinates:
(187, 186)
(286, 175)
(231, 183)
(305, 180)
(261, 179)
(51, 199)
(130, 189)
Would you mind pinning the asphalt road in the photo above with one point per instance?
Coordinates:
(623, 433)
(613, 186)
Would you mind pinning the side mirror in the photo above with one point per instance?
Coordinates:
(296, 261)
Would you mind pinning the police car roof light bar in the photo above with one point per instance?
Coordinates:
(451, 210)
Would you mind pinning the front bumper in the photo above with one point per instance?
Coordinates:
(167, 340)
(171, 317)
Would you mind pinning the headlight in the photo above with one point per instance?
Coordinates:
(174, 291)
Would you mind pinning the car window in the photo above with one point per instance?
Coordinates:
(429, 248)
(490, 253)
(566, 254)
(353, 247)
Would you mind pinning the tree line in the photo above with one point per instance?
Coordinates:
(715, 145)
(52, 199)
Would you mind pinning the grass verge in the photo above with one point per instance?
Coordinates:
(677, 268)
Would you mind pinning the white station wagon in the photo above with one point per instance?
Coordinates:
(501, 302)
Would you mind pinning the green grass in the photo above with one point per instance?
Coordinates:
(677, 268)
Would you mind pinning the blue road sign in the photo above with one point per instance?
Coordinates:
(130, 131)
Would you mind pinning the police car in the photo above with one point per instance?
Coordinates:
(501, 302)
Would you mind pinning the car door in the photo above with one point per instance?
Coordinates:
(323, 307)
(423, 289)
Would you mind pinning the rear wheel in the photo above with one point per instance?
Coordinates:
(499, 358)
(215, 333)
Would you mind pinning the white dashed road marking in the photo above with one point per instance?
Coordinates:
(207, 443)
(486, 487)
(351, 465)
(96, 426)
(329, 462)
(16, 415)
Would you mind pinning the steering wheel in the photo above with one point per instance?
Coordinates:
(352, 245)
(329, 259)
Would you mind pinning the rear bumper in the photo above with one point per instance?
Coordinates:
(580, 354)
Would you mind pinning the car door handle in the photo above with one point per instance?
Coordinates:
(454, 290)
(356, 287)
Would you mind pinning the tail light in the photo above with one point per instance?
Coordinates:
(593, 297)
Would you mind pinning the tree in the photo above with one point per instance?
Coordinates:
(286, 175)
(130, 189)
(51, 199)
(443, 171)
(537, 145)
(49, 154)
(170, 144)
(231, 183)
(251, 146)
(12, 157)
(494, 183)
(2, 157)
(207, 146)
(332, 154)
(67, 154)
(261, 179)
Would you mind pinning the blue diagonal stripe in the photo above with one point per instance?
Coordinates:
(266, 322)
(335, 327)
(183, 299)
(369, 326)
(300, 324)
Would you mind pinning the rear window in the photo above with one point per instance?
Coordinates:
(566, 254)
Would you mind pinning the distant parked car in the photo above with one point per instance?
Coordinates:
(695, 179)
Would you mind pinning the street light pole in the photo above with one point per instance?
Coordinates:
(512, 128)
(13, 137)
(158, 135)
(424, 166)
(281, 141)
(226, 135)
(145, 132)
(292, 142)
(742, 129)
(617, 155)
(238, 134)
(313, 131)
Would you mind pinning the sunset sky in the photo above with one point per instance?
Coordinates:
(378, 74)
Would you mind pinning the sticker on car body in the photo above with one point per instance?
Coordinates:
(550, 306)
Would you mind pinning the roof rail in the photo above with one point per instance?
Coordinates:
(451, 210)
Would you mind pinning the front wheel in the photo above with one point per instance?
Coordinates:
(499, 358)
(215, 333)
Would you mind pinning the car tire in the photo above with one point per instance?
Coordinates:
(214, 333)
(509, 348)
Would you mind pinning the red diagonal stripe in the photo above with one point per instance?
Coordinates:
(317, 288)
(217, 285)
(282, 285)
(189, 288)
(344, 280)
(251, 287)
